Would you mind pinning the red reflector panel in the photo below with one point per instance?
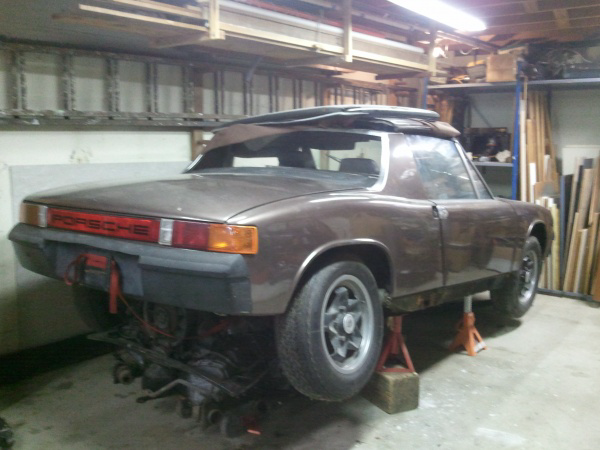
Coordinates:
(190, 235)
(115, 226)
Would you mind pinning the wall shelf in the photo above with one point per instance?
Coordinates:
(492, 164)
(510, 85)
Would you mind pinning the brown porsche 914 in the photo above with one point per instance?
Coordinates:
(282, 247)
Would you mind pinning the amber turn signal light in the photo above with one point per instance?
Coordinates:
(233, 239)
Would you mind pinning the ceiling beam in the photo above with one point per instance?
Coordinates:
(588, 22)
(527, 6)
(559, 35)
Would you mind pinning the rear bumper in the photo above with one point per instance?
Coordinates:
(205, 281)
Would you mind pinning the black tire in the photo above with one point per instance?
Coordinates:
(332, 362)
(92, 306)
(514, 298)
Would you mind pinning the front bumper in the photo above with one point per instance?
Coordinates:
(205, 281)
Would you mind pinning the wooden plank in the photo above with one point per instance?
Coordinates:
(585, 195)
(531, 151)
(581, 258)
(108, 23)
(550, 26)
(573, 202)
(591, 255)
(161, 23)
(532, 181)
(571, 265)
(183, 39)
(150, 5)
(566, 182)
(541, 140)
(595, 199)
(596, 287)
(548, 125)
(555, 249)
(523, 146)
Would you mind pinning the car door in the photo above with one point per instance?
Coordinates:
(479, 233)
(413, 232)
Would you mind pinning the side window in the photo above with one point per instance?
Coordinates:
(442, 171)
(482, 190)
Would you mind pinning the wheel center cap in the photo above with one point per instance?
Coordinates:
(348, 323)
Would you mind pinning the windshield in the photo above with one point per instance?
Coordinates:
(310, 152)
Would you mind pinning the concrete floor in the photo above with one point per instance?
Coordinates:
(536, 387)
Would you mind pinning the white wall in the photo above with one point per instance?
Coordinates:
(35, 310)
(575, 115)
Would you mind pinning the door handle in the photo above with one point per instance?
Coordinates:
(439, 212)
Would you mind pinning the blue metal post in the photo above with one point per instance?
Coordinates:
(425, 89)
(516, 137)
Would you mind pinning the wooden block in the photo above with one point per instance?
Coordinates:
(393, 392)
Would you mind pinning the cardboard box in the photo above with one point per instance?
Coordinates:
(501, 68)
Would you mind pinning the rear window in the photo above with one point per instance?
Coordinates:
(333, 152)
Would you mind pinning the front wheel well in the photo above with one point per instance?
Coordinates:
(372, 256)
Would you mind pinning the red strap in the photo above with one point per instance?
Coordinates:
(114, 290)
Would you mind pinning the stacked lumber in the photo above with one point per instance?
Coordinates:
(539, 177)
(574, 264)
(573, 201)
(581, 251)
(538, 174)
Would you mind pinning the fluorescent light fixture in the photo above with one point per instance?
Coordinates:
(443, 13)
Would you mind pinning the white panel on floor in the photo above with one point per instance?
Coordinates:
(35, 310)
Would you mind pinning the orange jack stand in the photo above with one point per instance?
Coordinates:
(394, 345)
(468, 336)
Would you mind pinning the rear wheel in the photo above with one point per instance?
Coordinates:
(330, 339)
(514, 298)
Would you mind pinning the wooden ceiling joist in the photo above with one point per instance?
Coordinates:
(549, 26)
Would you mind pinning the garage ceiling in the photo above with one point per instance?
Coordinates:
(508, 21)
(560, 20)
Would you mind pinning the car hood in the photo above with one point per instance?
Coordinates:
(211, 196)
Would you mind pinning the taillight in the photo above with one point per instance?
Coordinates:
(190, 235)
(209, 236)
